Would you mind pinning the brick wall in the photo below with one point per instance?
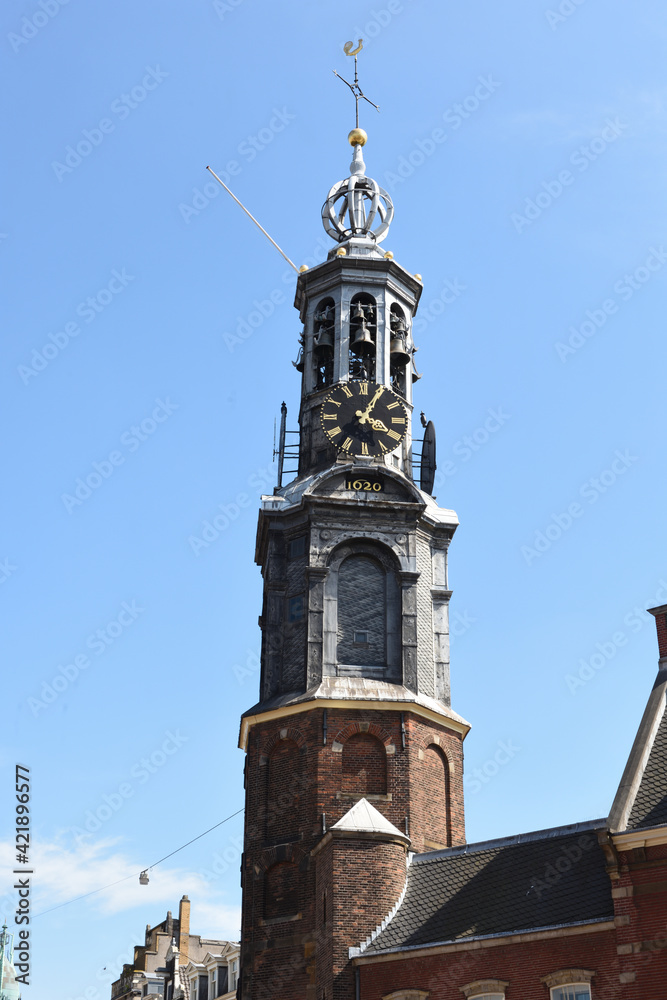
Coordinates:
(292, 779)
(522, 965)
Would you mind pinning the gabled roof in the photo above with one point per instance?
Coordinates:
(641, 799)
(365, 818)
(534, 881)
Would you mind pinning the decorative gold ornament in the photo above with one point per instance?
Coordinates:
(418, 277)
(389, 255)
(357, 137)
(341, 252)
(304, 267)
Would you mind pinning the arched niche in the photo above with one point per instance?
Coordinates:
(363, 596)
(284, 789)
(364, 765)
(363, 336)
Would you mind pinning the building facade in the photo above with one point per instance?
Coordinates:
(357, 879)
(173, 964)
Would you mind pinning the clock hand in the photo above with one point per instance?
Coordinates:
(364, 415)
(377, 425)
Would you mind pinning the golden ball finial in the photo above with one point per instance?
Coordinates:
(304, 267)
(418, 277)
(357, 137)
(341, 252)
(389, 255)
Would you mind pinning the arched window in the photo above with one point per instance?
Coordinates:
(324, 332)
(569, 984)
(364, 765)
(284, 789)
(485, 989)
(281, 891)
(362, 612)
(399, 345)
(363, 337)
(435, 789)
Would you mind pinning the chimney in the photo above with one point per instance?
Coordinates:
(184, 930)
(660, 615)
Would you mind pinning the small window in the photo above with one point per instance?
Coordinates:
(573, 991)
(361, 638)
(295, 608)
(233, 974)
(297, 547)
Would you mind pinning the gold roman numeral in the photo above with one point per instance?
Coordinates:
(394, 434)
(346, 445)
(347, 391)
(398, 420)
(392, 406)
(364, 448)
(329, 416)
(384, 447)
(334, 431)
(363, 388)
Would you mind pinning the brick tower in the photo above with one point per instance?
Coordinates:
(354, 755)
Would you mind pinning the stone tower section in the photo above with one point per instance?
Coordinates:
(354, 754)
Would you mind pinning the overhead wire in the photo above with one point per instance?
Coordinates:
(93, 892)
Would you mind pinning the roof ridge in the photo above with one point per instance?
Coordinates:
(516, 839)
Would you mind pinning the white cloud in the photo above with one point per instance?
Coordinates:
(66, 872)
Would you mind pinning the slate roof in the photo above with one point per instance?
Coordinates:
(650, 805)
(536, 880)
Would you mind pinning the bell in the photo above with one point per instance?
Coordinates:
(398, 324)
(398, 351)
(143, 878)
(359, 313)
(323, 339)
(362, 341)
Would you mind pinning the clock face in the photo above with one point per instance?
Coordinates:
(364, 418)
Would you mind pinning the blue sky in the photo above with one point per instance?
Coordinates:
(524, 146)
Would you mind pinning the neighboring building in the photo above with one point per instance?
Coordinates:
(357, 879)
(174, 964)
(9, 988)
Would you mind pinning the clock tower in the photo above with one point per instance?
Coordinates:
(354, 754)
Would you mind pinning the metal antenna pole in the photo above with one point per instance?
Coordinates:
(291, 263)
(354, 87)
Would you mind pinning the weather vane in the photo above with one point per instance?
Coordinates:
(354, 87)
